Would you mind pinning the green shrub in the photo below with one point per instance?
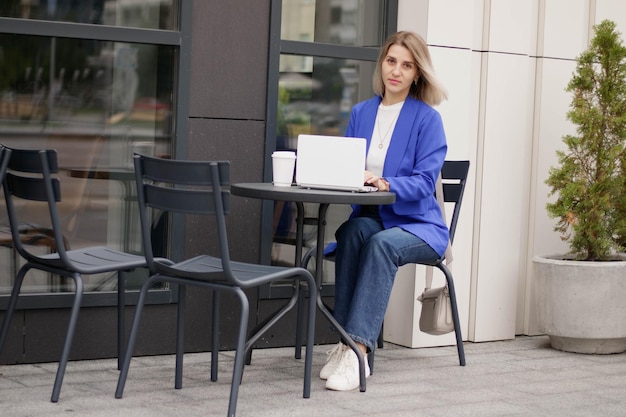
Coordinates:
(590, 181)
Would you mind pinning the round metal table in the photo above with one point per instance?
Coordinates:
(299, 195)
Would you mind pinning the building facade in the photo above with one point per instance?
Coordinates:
(236, 80)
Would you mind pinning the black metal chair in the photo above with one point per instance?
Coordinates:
(5, 155)
(200, 188)
(454, 177)
(31, 176)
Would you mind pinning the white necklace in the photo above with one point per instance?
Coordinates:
(382, 138)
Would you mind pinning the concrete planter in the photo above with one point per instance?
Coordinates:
(581, 305)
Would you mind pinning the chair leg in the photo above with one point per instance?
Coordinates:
(180, 336)
(8, 316)
(305, 262)
(299, 313)
(69, 336)
(121, 317)
(239, 353)
(380, 343)
(455, 313)
(381, 340)
(215, 335)
(308, 361)
(67, 346)
(128, 353)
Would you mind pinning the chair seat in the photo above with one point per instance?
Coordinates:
(434, 263)
(209, 268)
(97, 259)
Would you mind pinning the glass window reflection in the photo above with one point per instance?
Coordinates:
(96, 103)
(147, 14)
(341, 22)
(315, 96)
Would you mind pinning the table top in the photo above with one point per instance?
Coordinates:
(268, 191)
(110, 173)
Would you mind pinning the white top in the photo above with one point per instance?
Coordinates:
(386, 119)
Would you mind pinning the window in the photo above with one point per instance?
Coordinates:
(340, 22)
(317, 82)
(147, 14)
(96, 93)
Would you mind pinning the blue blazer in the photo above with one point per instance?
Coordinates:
(413, 163)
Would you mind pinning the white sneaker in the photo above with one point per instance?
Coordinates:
(346, 377)
(332, 361)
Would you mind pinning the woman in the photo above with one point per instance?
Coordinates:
(406, 150)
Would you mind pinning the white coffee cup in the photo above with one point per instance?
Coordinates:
(283, 164)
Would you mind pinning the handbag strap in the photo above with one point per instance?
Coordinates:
(448, 253)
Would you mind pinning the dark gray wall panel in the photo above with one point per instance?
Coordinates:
(13, 345)
(96, 333)
(229, 59)
(241, 142)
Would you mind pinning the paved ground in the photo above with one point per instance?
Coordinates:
(521, 377)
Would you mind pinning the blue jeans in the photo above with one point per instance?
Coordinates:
(366, 262)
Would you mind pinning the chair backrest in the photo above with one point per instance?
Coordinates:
(5, 155)
(74, 151)
(454, 176)
(186, 187)
(31, 176)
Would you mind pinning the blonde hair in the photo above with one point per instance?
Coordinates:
(428, 87)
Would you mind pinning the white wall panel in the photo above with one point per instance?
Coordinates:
(614, 10)
(459, 69)
(451, 22)
(565, 28)
(413, 15)
(551, 106)
(509, 21)
(504, 196)
(454, 68)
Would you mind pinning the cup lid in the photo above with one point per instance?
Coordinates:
(284, 154)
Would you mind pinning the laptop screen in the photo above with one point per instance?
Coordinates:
(330, 162)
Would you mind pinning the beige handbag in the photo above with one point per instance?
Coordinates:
(436, 316)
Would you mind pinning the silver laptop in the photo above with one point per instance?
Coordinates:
(331, 163)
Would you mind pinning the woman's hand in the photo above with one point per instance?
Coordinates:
(375, 180)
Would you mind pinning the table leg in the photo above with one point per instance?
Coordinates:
(299, 233)
(298, 290)
(128, 199)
